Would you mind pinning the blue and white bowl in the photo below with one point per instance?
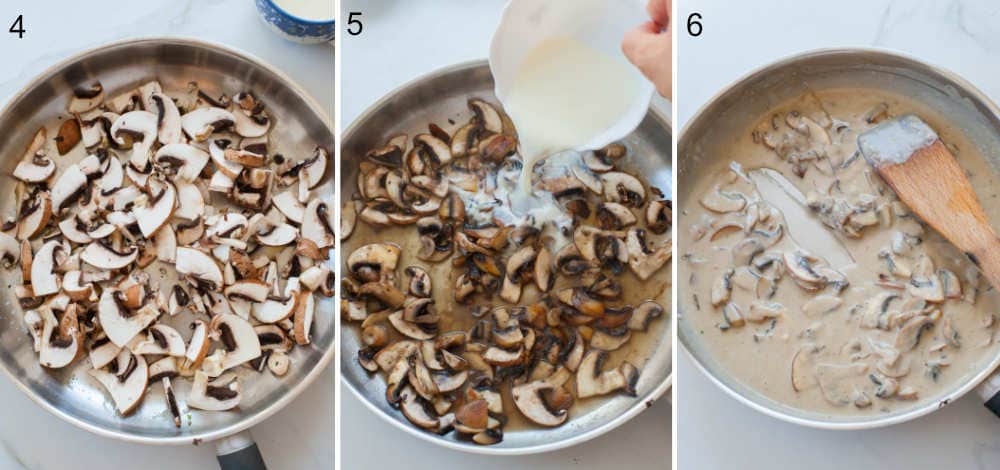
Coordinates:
(293, 28)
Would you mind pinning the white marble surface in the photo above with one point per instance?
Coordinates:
(400, 42)
(715, 431)
(301, 435)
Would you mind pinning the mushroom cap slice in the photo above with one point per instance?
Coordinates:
(71, 229)
(314, 167)
(169, 125)
(142, 124)
(165, 244)
(159, 339)
(199, 265)
(409, 329)
(388, 356)
(203, 122)
(317, 223)
(165, 367)
(69, 186)
(290, 206)
(102, 352)
(643, 261)
(113, 176)
(220, 394)
(227, 168)
(590, 381)
(86, 98)
(644, 314)
(32, 224)
(248, 289)
(226, 226)
(486, 115)
(528, 399)
(71, 284)
(186, 160)
(121, 325)
(151, 218)
(44, 279)
(415, 409)
(190, 232)
(275, 310)
(197, 346)
(238, 337)
(126, 390)
(190, 202)
(60, 341)
(11, 251)
(623, 188)
(279, 235)
(247, 126)
(102, 256)
(35, 169)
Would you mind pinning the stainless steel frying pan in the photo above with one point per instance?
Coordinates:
(440, 96)
(70, 393)
(736, 107)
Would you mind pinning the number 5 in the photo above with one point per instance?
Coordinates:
(352, 22)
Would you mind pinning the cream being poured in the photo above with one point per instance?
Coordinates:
(564, 95)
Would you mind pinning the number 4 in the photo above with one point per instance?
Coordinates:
(18, 27)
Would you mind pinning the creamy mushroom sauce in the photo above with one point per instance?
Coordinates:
(371, 285)
(907, 321)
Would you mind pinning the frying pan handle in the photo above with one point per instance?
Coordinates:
(239, 452)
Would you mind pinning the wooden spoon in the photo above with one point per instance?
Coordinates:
(911, 158)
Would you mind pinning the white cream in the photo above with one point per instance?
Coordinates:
(312, 10)
(563, 95)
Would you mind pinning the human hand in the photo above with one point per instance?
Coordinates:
(650, 47)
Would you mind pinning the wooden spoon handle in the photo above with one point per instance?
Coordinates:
(936, 188)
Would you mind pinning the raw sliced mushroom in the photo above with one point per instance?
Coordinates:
(183, 160)
(86, 98)
(44, 279)
(200, 123)
(199, 266)
(103, 256)
(151, 218)
(120, 322)
(160, 340)
(238, 338)
(33, 216)
(220, 394)
(68, 187)
(35, 169)
(317, 223)
(125, 380)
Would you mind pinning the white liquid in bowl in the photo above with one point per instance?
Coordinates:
(312, 10)
(564, 94)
